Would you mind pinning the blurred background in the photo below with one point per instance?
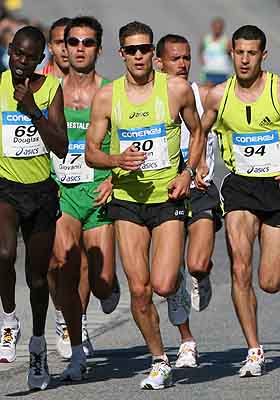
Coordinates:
(191, 18)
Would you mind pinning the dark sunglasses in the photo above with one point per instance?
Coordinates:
(143, 48)
(87, 42)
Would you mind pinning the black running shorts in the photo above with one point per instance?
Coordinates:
(260, 196)
(150, 215)
(36, 204)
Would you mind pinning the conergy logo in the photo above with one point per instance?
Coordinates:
(17, 118)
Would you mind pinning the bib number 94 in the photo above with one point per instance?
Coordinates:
(250, 151)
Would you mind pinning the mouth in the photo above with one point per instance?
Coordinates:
(244, 70)
(139, 66)
(182, 73)
(19, 71)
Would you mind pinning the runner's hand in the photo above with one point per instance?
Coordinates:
(24, 96)
(277, 178)
(131, 159)
(180, 186)
(201, 172)
(104, 190)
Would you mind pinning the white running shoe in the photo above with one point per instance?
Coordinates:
(109, 305)
(254, 364)
(159, 377)
(75, 371)
(38, 374)
(87, 345)
(201, 293)
(187, 355)
(63, 345)
(8, 341)
(179, 303)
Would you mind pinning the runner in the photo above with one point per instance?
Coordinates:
(174, 57)
(32, 124)
(246, 113)
(214, 54)
(143, 109)
(83, 223)
(58, 65)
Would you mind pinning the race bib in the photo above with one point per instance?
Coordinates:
(256, 153)
(152, 140)
(73, 168)
(20, 138)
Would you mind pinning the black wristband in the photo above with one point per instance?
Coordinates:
(36, 115)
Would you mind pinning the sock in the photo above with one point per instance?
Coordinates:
(10, 319)
(161, 357)
(59, 317)
(37, 344)
(78, 353)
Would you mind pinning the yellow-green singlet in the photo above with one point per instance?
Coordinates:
(149, 127)
(23, 156)
(248, 133)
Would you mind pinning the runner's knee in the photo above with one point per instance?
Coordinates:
(241, 275)
(7, 255)
(141, 295)
(269, 284)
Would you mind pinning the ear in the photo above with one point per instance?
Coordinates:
(264, 55)
(99, 52)
(50, 48)
(231, 53)
(158, 63)
(121, 54)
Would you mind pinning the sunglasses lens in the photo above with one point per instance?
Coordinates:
(87, 42)
(72, 41)
(143, 48)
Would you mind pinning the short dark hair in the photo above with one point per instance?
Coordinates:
(58, 24)
(85, 21)
(170, 38)
(249, 32)
(33, 33)
(134, 28)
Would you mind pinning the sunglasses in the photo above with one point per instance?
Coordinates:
(143, 48)
(87, 42)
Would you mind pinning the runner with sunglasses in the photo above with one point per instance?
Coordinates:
(32, 124)
(84, 234)
(143, 109)
(59, 67)
(174, 57)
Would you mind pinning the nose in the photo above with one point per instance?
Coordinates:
(138, 54)
(244, 58)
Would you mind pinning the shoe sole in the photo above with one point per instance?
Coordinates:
(149, 386)
(249, 374)
(39, 387)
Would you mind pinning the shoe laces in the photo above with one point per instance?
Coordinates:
(254, 356)
(159, 366)
(187, 347)
(38, 362)
(7, 336)
(65, 333)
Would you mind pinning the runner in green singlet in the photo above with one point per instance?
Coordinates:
(245, 112)
(84, 234)
(143, 108)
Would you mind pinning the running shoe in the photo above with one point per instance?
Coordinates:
(75, 371)
(8, 341)
(254, 364)
(109, 305)
(87, 345)
(63, 345)
(159, 377)
(187, 355)
(179, 303)
(38, 374)
(201, 293)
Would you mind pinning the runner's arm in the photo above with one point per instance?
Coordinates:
(53, 130)
(130, 159)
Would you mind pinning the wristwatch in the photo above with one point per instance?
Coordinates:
(191, 171)
(36, 115)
